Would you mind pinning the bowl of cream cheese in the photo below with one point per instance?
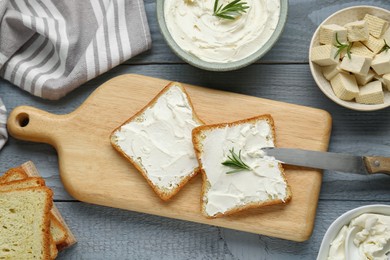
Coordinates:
(361, 233)
(205, 34)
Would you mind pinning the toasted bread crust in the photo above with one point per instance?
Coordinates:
(163, 194)
(55, 222)
(197, 137)
(47, 238)
(13, 174)
(53, 249)
(37, 182)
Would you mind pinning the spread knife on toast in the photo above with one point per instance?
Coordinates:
(365, 165)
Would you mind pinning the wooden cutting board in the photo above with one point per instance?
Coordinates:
(92, 171)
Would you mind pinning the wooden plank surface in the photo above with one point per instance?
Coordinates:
(92, 171)
(106, 233)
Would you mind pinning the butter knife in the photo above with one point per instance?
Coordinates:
(365, 165)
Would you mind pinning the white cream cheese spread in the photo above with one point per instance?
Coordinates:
(196, 30)
(263, 182)
(160, 139)
(372, 238)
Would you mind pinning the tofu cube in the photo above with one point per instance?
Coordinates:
(386, 81)
(386, 36)
(376, 25)
(328, 34)
(364, 79)
(374, 44)
(359, 48)
(330, 71)
(344, 86)
(357, 31)
(324, 55)
(371, 93)
(381, 63)
(356, 64)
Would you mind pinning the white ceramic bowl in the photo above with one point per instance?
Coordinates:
(195, 61)
(344, 219)
(342, 17)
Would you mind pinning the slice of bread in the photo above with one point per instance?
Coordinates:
(57, 230)
(20, 184)
(157, 140)
(13, 174)
(225, 193)
(25, 223)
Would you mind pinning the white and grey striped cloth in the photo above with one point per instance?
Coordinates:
(50, 47)
(3, 119)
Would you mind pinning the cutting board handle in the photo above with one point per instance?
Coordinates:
(32, 124)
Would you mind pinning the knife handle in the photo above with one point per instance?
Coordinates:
(376, 164)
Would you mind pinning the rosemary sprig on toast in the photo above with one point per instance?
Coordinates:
(235, 162)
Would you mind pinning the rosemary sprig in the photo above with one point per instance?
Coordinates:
(386, 47)
(234, 161)
(340, 47)
(231, 10)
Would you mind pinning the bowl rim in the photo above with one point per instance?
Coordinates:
(344, 219)
(346, 104)
(214, 66)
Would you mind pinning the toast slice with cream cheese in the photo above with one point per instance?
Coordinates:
(157, 141)
(225, 190)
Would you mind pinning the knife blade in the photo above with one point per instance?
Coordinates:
(331, 161)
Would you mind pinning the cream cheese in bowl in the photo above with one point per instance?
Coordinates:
(359, 234)
(369, 235)
(196, 30)
(199, 35)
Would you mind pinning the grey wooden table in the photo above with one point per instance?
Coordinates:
(284, 75)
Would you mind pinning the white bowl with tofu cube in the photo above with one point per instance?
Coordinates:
(358, 77)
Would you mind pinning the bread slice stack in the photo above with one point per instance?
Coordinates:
(260, 180)
(30, 230)
(157, 141)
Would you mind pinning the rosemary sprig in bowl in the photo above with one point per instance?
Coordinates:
(234, 161)
(342, 46)
(386, 47)
(231, 10)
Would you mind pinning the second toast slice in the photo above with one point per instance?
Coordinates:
(228, 189)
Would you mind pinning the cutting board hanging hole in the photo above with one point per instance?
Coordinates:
(32, 124)
(23, 119)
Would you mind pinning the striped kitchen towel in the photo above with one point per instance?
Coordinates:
(50, 47)
(3, 120)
